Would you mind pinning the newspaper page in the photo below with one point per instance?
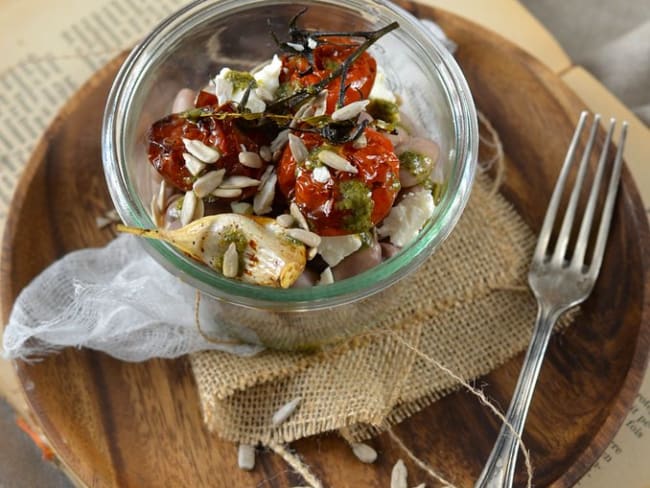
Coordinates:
(47, 57)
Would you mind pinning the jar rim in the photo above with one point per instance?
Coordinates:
(132, 211)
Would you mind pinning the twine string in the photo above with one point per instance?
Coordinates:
(296, 463)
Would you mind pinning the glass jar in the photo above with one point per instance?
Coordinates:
(191, 46)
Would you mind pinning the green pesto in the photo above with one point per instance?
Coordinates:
(367, 239)
(394, 184)
(240, 80)
(437, 191)
(313, 161)
(416, 164)
(332, 65)
(357, 200)
(286, 89)
(384, 110)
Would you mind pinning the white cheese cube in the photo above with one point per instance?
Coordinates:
(333, 249)
(407, 218)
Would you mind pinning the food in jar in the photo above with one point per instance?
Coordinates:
(305, 159)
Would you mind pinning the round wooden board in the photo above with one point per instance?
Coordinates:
(121, 424)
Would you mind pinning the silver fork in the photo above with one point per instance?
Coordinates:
(558, 283)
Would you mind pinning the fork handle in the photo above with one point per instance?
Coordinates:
(499, 470)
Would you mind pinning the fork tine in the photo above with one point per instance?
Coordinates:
(608, 208)
(577, 261)
(569, 216)
(549, 218)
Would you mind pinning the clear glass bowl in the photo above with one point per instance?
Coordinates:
(191, 46)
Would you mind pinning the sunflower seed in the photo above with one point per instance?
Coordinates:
(200, 209)
(298, 149)
(230, 266)
(311, 43)
(265, 153)
(201, 151)
(280, 140)
(296, 46)
(326, 278)
(246, 457)
(265, 195)
(360, 142)
(308, 238)
(305, 111)
(285, 411)
(162, 196)
(250, 159)
(333, 160)
(265, 175)
(192, 164)
(284, 220)
(243, 208)
(227, 192)
(349, 111)
(399, 475)
(209, 182)
(363, 452)
(320, 104)
(297, 214)
(188, 208)
(239, 181)
(113, 216)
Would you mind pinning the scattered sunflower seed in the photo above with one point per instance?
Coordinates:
(250, 159)
(230, 261)
(227, 192)
(265, 195)
(285, 220)
(238, 181)
(308, 238)
(280, 140)
(243, 208)
(246, 457)
(349, 111)
(209, 182)
(188, 208)
(297, 214)
(298, 149)
(360, 142)
(266, 174)
(399, 475)
(333, 160)
(311, 43)
(201, 151)
(285, 411)
(192, 164)
(363, 452)
(327, 278)
(265, 153)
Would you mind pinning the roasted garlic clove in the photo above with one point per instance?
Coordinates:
(267, 255)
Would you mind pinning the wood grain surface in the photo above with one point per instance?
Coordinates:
(139, 425)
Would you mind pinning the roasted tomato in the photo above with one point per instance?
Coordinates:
(339, 202)
(328, 56)
(166, 147)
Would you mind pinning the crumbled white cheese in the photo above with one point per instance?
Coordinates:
(321, 174)
(407, 218)
(268, 79)
(225, 92)
(335, 248)
(380, 89)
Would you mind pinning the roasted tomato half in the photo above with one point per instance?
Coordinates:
(337, 202)
(330, 54)
(166, 147)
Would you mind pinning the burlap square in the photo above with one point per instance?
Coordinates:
(467, 307)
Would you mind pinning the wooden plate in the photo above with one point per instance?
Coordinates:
(119, 424)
